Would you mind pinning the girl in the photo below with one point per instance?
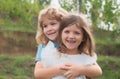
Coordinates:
(49, 23)
(76, 41)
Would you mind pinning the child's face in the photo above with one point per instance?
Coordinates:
(50, 28)
(72, 36)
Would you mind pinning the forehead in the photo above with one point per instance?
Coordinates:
(73, 27)
(45, 17)
(48, 15)
(48, 20)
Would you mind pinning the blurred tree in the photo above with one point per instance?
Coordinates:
(98, 11)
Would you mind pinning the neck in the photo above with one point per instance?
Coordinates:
(53, 41)
(72, 51)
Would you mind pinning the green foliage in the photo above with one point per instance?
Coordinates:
(69, 5)
(20, 61)
(95, 11)
(16, 67)
(25, 12)
(106, 42)
(20, 12)
(106, 11)
(110, 13)
(21, 15)
(110, 67)
(43, 2)
(19, 67)
(2, 22)
(3, 77)
(9, 25)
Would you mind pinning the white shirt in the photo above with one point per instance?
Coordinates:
(51, 57)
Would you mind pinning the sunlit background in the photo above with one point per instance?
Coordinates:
(18, 27)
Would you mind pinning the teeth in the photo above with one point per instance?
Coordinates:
(51, 33)
(71, 41)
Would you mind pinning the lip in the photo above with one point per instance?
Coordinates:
(70, 41)
(52, 33)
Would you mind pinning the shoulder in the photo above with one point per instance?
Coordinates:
(41, 46)
(49, 48)
(51, 44)
(85, 59)
(89, 58)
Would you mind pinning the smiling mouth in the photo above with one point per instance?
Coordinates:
(69, 41)
(51, 33)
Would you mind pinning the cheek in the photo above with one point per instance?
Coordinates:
(80, 39)
(44, 31)
(63, 36)
(57, 28)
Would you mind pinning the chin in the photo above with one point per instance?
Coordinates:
(70, 48)
(52, 39)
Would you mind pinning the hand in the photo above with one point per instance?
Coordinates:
(61, 71)
(72, 70)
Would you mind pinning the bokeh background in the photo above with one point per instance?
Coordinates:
(18, 27)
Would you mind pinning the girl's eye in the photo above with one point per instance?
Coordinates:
(52, 23)
(77, 33)
(44, 26)
(66, 31)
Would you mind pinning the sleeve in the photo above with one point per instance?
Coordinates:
(38, 55)
(87, 59)
(92, 59)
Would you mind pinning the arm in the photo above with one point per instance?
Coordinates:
(92, 70)
(46, 73)
(74, 70)
(38, 55)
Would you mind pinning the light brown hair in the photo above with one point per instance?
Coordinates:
(87, 45)
(52, 13)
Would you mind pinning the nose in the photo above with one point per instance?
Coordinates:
(49, 28)
(71, 35)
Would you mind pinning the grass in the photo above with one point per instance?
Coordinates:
(110, 66)
(19, 67)
(22, 67)
(17, 26)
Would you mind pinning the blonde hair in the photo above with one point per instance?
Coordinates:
(87, 45)
(52, 13)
